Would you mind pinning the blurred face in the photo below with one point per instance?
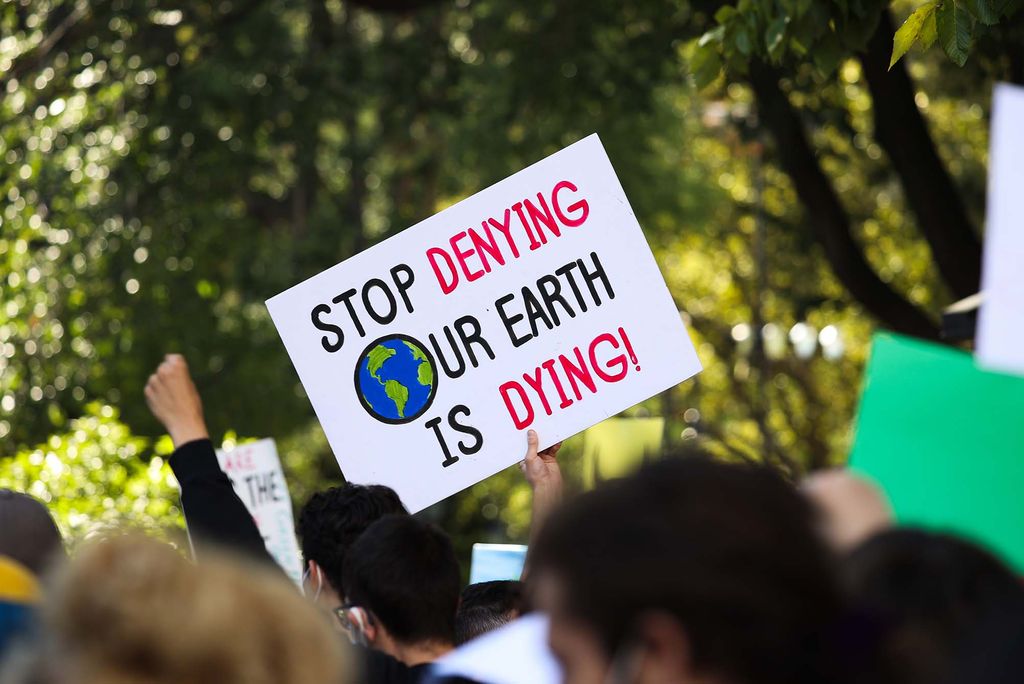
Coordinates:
(573, 643)
(659, 653)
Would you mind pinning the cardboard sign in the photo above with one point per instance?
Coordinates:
(535, 303)
(619, 446)
(255, 472)
(1001, 319)
(945, 441)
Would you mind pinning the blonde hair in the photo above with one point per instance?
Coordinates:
(130, 610)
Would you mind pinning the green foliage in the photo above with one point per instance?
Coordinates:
(97, 475)
(955, 23)
(827, 31)
(821, 31)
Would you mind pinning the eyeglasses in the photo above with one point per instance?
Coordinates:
(353, 621)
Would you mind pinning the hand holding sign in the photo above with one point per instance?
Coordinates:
(534, 304)
(541, 467)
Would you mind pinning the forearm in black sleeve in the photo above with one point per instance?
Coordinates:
(213, 512)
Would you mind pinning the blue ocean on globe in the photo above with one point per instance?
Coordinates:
(395, 379)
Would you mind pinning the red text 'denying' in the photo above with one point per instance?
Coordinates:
(558, 383)
(525, 226)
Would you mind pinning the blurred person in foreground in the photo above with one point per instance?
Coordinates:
(932, 601)
(19, 595)
(691, 570)
(30, 543)
(328, 524)
(852, 508)
(132, 610)
(216, 516)
(402, 583)
(486, 606)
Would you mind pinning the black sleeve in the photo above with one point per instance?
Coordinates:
(213, 512)
(380, 668)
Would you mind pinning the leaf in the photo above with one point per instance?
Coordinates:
(742, 41)
(724, 13)
(985, 11)
(910, 32)
(929, 33)
(955, 30)
(774, 35)
(705, 66)
(827, 54)
(715, 35)
(399, 394)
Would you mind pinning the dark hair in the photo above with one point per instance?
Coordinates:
(405, 573)
(927, 594)
(486, 606)
(27, 532)
(333, 519)
(730, 551)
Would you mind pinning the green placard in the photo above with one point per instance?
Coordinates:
(618, 446)
(945, 440)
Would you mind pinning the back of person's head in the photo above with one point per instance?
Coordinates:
(133, 610)
(852, 507)
(28, 534)
(405, 574)
(485, 606)
(333, 519)
(926, 594)
(689, 567)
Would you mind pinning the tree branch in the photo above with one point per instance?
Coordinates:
(930, 191)
(825, 213)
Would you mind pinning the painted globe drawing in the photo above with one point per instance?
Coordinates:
(396, 379)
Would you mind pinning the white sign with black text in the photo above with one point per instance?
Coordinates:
(535, 303)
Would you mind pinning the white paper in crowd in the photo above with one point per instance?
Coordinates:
(493, 562)
(514, 654)
(535, 303)
(1000, 335)
(256, 475)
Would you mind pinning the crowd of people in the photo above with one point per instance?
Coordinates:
(691, 570)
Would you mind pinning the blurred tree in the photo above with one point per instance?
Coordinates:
(787, 50)
(98, 476)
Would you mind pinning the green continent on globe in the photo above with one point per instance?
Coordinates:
(424, 372)
(398, 393)
(395, 390)
(376, 358)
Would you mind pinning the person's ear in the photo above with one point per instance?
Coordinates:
(370, 630)
(665, 649)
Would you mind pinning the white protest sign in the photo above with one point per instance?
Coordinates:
(1001, 319)
(535, 303)
(255, 473)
